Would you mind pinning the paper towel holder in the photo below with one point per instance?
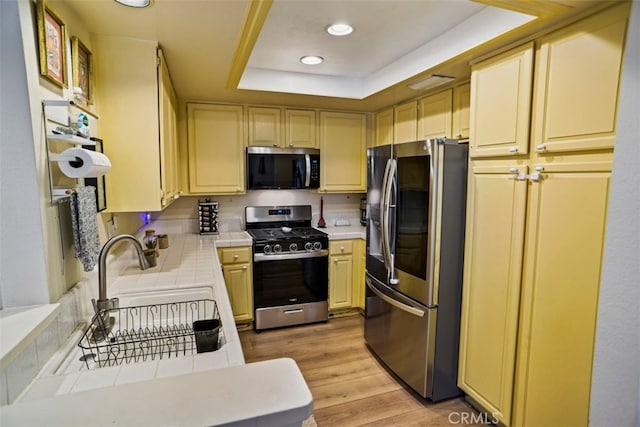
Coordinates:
(58, 112)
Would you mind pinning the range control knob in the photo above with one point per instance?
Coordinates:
(317, 246)
(293, 247)
(277, 248)
(267, 249)
(308, 246)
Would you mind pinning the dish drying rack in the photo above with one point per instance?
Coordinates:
(144, 333)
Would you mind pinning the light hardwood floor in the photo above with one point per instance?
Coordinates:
(349, 386)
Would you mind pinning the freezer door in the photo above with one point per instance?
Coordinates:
(377, 165)
(401, 333)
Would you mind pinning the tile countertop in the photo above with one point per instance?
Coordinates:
(353, 231)
(222, 389)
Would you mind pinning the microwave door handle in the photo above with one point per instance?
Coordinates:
(307, 164)
(392, 189)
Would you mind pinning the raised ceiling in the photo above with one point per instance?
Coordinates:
(393, 42)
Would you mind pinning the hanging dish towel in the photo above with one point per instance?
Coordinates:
(86, 241)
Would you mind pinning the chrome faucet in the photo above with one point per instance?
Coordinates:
(103, 302)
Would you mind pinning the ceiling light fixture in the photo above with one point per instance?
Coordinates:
(311, 60)
(135, 3)
(431, 81)
(340, 30)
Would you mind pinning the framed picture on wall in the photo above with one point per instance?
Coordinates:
(82, 66)
(52, 45)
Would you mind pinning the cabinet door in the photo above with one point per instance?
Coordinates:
(264, 126)
(237, 278)
(384, 127)
(129, 122)
(340, 281)
(343, 143)
(435, 116)
(501, 104)
(216, 149)
(578, 73)
(491, 290)
(168, 135)
(405, 122)
(563, 259)
(461, 101)
(300, 128)
(359, 263)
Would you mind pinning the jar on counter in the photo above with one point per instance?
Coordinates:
(150, 240)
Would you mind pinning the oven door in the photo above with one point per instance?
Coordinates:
(288, 279)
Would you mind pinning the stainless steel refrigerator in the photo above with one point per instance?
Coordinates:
(416, 196)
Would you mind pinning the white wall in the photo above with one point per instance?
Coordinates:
(23, 277)
(615, 392)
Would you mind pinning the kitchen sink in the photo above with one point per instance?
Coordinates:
(146, 326)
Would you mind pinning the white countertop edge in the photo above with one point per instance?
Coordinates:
(214, 397)
(19, 326)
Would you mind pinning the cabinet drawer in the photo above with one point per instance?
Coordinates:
(235, 255)
(339, 247)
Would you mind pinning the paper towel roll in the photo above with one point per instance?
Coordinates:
(81, 163)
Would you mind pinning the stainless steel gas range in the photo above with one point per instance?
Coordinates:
(290, 266)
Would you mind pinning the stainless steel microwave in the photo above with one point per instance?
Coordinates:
(282, 168)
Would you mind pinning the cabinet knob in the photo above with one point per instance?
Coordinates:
(513, 149)
(535, 177)
(236, 256)
(458, 135)
(541, 147)
(290, 145)
(513, 170)
(342, 248)
(539, 168)
(244, 267)
(275, 145)
(335, 260)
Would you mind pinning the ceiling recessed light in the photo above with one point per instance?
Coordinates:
(135, 3)
(311, 60)
(340, 29)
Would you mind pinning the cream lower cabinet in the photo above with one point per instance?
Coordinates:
(343, 156)
(491, 291)
(236, 268)
(340, 274)
(215, 141)
(561, 279)
(533, 255)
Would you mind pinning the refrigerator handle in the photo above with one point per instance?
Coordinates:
(391, 219)
(393, 302)
(384, 217)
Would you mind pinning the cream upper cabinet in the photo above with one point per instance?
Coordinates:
(577, 75)
(564, 247)
(216, 148)
(138, 126)
(494, 237)
(435, 115)
(169, 173)
(460, 122)
(384, 127)
(501, 104)
(343, 143)
(300, 128)
(405, 122)
(265, 126)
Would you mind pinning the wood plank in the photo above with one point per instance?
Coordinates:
(349, 386)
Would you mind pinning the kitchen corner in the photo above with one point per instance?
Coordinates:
(221, 388)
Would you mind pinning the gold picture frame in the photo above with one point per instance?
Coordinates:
(82, 67)
(52, 44)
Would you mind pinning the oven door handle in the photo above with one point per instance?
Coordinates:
(297, 255)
